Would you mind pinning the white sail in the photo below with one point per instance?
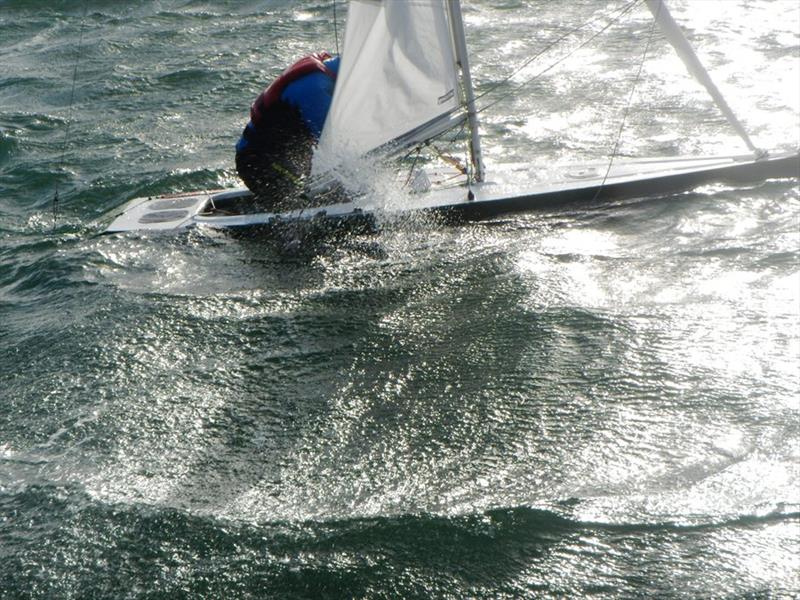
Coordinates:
(398, 80)
(685, 51)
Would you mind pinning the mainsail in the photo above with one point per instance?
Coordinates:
(398, 83)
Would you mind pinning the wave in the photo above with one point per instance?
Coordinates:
(501, 523)
(69, 544)
(8, 147)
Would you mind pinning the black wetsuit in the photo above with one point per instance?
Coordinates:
(273, 156)
(274, 163)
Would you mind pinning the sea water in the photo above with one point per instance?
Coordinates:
(586, 402)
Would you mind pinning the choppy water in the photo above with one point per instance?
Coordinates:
(589, 402)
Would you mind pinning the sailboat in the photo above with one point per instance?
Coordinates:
(405, 79)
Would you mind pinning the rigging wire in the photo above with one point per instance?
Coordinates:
(78, 53)
(627, 109)
(413, 166)
(335, 29)
(416, 151)
(616, 18)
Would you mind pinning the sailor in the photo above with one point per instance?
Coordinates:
(273, 156)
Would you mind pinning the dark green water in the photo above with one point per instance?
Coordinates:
(579, 403)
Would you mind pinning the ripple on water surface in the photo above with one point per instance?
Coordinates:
(569, 403)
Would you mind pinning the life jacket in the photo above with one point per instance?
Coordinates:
(305, 66)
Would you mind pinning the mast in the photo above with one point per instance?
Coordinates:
(695, 67)
(457, 24)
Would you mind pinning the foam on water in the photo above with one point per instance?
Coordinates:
(568, 403)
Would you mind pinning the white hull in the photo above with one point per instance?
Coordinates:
(565, 185)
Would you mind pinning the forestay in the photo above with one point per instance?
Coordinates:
(398, 82)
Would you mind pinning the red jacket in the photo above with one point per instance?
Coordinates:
(271, 95)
